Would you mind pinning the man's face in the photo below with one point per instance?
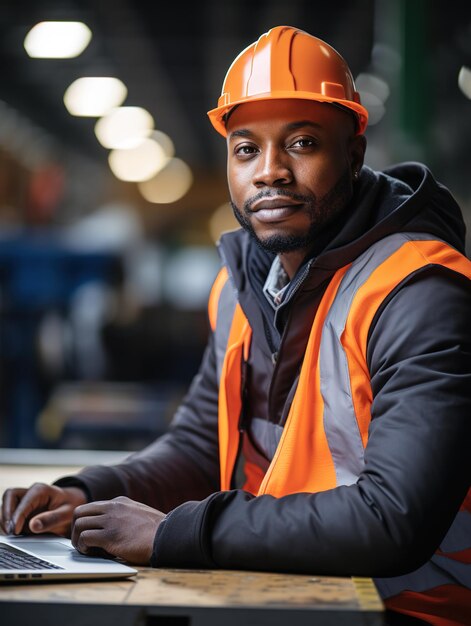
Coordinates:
(290, 169)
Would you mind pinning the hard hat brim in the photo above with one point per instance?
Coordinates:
(216, 115)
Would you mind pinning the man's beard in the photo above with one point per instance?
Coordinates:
(322, 212)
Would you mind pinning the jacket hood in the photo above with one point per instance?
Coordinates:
(402, 198)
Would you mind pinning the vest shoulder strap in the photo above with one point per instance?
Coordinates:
(214, 296)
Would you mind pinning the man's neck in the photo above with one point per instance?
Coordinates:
(291, 261)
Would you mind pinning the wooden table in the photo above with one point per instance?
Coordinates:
(169, 597)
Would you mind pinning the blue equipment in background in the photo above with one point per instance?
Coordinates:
(39, 274)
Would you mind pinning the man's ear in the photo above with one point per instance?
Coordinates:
(357, 149)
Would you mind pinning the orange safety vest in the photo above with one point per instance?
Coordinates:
(326, 431)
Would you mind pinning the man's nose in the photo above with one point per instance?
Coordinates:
(272, 168)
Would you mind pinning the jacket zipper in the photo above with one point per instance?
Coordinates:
(295, 287)
(274, 357)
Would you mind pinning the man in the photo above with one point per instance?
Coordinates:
(328, 428)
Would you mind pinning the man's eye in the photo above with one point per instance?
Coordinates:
(243, 150)
(304, 142)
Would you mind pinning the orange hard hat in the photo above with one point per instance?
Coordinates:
(284, 63)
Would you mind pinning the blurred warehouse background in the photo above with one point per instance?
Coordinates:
(107, 240)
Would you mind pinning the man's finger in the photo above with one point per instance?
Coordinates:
(51, 521)
(89, 540)
(91, 509)
(84, 524)
(10, 500)
(35, 498)
(3, 522)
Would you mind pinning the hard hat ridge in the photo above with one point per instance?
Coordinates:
(285, 63)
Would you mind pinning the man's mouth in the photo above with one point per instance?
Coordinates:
(274, 209)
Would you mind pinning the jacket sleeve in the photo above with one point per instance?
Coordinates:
(417, 461)
(183, 464)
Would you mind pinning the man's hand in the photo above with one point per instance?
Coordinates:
(120, 527)
(40, 509)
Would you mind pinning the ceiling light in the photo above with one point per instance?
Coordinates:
(139, 163)
(222, 220)
(464, 81)
(57, 40)
(94, 96)
(372, 84)
(374, 106)
(169, 185)
(124, 127)
(166, 143)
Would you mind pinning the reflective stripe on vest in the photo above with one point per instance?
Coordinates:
(326, 431)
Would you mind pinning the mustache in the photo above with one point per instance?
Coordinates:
(274, 193)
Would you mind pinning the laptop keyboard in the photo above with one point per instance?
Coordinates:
(15, 559)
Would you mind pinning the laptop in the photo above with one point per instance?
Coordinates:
(27, 558)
